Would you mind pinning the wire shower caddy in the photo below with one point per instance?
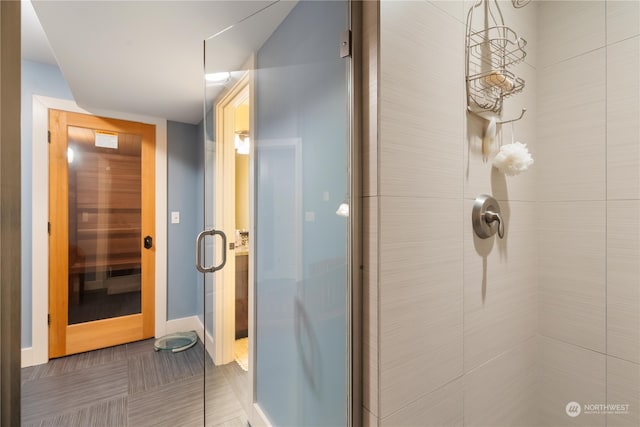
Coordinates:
(489, 53)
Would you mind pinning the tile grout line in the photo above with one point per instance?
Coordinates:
(606, 214)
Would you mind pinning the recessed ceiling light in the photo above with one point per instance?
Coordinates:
(217, 78)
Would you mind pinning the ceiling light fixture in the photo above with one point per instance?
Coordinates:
(242, 142)
(218, 78)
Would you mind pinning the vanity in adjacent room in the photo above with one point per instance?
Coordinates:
(242, 286)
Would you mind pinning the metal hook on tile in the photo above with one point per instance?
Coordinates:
(524, 110)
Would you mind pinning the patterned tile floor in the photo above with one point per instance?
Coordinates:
(133, 385)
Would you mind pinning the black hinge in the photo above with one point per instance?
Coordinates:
(48, 319)
(49, 136)
(49, 227)
(345, 44)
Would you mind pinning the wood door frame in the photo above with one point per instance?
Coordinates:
(38, 352)
(65, 338)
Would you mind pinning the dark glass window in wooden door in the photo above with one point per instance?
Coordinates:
(104, 224)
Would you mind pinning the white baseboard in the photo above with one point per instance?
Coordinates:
(26, 357)
(184, 324)
(193, 323)
(258, 418)
(211, 348)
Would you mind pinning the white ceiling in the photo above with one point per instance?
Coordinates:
(34, 43)
(145, 57)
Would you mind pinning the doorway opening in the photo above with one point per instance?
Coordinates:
(242, 141)
(233, 148)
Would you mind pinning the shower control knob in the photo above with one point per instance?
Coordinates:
(486, 218)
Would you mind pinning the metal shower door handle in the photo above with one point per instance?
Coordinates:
(199, 240)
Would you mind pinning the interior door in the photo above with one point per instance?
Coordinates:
(101, 231)
(300, 331)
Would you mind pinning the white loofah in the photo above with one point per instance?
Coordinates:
(513, 159)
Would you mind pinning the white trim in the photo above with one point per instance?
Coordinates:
(224, 216)
(40, 218)
(26, 357)
(253, 415)
(161, 227)
(209, 344)
(192, 323)
(183, 324)
(202, 333)
(258, 417)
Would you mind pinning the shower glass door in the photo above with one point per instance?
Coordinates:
(283, 67)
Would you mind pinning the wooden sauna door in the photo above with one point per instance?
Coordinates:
(101, 231)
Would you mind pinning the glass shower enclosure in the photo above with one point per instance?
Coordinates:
(275, 253)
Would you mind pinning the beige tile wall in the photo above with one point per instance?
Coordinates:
(421, 119)
(420, 298)
(370, 368)
(568, 29)
(421, 101)
(569, 374)
(572, 278)
(370, 203)
(571, 124)
(589, 232)
(623, 388)
(623, 20)
(464, 331)
(441, 407)
(501, 392)
(623, 279)
(623, 119)
(368, 419)
(452, 311)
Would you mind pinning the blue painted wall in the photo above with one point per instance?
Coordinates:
(184, 154)
(184, 146)
(200, 296)
(45, 80)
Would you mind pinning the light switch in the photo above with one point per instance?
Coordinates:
(175, 217)
(310, 216)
